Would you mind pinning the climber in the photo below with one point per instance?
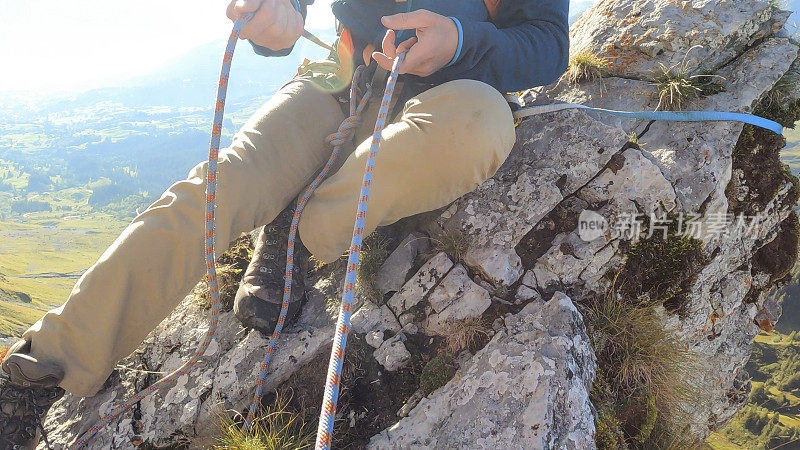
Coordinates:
(450, 129)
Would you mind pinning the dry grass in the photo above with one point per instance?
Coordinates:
(374, 252)
(644, 376)
(3, 351)
(315, 263)
(276, 429)
(586, 65)
(677, 85)
(466, 334)
(451, 242)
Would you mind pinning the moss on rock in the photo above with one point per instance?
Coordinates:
(662, 269)
(778, 257)
(608, 434)
(437, 372)
(231, 266)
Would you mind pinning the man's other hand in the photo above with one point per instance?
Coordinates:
(433, 48)
(275, 25)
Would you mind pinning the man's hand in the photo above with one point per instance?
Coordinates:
(434, 46)
(275, 23)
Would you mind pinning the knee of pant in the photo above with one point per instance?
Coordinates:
(474, 109)
(228, 162)
(198, 171)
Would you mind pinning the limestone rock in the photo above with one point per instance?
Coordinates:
(528, 388)
(457, 297)
(555, 156)
(190, 408)
(698, 159)
(526, 294)
(374, 338)
(392, 354)
(426, 278)
(393, 271)
(638, 35)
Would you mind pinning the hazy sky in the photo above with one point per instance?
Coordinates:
(78, 44)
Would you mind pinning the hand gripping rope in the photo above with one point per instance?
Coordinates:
(328, 411)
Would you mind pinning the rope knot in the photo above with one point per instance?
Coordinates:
(341, 135)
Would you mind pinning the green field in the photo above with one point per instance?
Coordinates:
(41, 259)
(791, 154)
(772, 417)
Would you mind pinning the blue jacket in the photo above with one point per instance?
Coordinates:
(522, 44)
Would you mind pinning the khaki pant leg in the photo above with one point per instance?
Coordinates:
(159, 257)
(447, 141)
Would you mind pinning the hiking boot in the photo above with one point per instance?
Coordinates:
(28, 388)
(258, 300)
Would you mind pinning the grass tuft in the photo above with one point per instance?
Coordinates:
(677, 85)
(644, 376)
(374, 252)
(453, 243)
(777, 104)
(778, 4)
(586, 65)
(466, 334)
(276, 429)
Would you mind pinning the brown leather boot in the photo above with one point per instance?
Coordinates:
(258, 300)
(28, 388)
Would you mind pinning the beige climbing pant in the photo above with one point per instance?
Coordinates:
(445, 142)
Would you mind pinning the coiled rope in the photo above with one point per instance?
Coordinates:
(328, 410)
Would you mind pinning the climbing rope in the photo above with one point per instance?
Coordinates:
(337, 139)
(328, 413)
(213, 287)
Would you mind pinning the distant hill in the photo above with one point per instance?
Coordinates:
(188, 81)
(125, 144)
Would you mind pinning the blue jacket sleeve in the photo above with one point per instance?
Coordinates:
(528, 47)
(299, 5)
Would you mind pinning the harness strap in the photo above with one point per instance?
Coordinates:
(669, 116)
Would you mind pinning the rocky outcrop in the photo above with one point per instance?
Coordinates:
(639, 36)
(519, 258)
(528, 388)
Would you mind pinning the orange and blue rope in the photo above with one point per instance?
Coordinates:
(336, 139)
(328, 412)
(213, 287)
